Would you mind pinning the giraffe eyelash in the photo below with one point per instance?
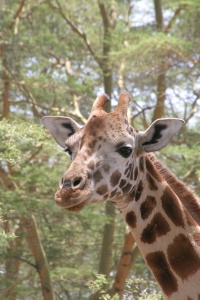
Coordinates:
(68, 151)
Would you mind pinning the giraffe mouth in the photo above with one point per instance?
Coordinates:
(72, 200)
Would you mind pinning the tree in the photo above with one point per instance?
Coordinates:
(55, 58)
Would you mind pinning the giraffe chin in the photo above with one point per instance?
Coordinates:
(71, 200)
(77, 207)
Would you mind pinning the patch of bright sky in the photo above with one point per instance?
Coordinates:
(144, 13)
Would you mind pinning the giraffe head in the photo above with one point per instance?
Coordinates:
(105, 152)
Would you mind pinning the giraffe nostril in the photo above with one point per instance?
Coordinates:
(77, 181)
(66, 184)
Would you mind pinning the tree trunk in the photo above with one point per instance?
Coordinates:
(107, 244)
(6, 82)
(12, 264)
(109, 227)
(127, 260)
(159, 14)
(161, 79)
(161, 94)
(5, 72)
(39, 256)
(108, 235)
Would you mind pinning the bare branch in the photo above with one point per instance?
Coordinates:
(80, 33)
(128, 12)
(26, 261)
(77, 110)
(104, 15)
(11, 287)
(194, 109)
(173, 19)
(16, 15)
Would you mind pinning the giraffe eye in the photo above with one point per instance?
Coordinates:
(68, 151)
(125, 151)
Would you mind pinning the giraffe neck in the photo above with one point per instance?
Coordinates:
(165, 232)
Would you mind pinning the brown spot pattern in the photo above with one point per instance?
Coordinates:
(182, 257)
(92, 144)
(190, 220)
(158, 264)
(139, 191)
(91, 165)
(131, 173)
(97, 176)
(136, 173)
(115, 177)
(127, 188)
(102, 190)
(128, 170)
(82, 141)
(171, 207)
(122, 183)
(113, 193)
(157, 228)
(131, 196)
(151, 182)
(147, 207)
(196, 237)
(106, 168)
(152, 170)
(141, 164)
(88, 152)
(131, 219)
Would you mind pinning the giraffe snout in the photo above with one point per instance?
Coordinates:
(75, 183)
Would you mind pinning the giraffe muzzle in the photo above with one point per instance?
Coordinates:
(76, 183)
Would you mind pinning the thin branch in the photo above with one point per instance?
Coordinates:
(80, 33)
(128, 13)
(26, 261)
(142, 111)
(190, 172)
(12, 23)
(194, 109)
(173, 19)
(77, 110)
(12, 286)
(104, 15)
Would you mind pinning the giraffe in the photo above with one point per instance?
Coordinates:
(111, 161)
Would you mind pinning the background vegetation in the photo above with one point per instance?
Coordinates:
(56, 56)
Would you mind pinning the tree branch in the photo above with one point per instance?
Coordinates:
(26, 261)
(80, 33)
(104, 15)
(16, 15)
(12, 286)
(173, 19)
(159, 14)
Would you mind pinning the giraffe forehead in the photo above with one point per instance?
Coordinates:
(105, 123)
(102, 128)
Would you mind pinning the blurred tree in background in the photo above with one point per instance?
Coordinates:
(56, 56)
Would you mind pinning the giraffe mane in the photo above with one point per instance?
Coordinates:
(186, 196)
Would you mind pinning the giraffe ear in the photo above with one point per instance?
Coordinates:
(159, 134)
(60, 128)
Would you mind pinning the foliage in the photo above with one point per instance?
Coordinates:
(53, 61)
(97, 285)
(136, 288)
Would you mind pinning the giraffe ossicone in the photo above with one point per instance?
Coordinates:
(110, 161)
